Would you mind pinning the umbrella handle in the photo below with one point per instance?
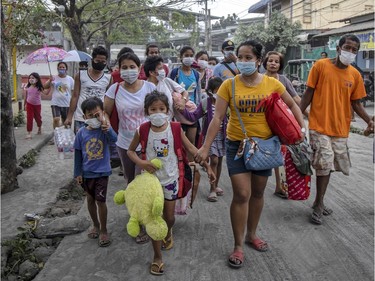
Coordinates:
(49, 68)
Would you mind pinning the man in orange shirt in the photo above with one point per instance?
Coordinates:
(333, 87)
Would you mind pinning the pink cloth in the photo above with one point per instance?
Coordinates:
(34, 96)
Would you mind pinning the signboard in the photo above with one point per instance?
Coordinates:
(367, 40)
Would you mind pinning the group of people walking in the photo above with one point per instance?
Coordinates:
(210, 102)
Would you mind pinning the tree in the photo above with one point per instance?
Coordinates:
(107, 21)
(8, 142)
(280, 33)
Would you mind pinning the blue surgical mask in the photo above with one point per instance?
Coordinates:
(62, 71)
(247, 67)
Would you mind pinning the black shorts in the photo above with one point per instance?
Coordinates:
(58, 111)
(96, 187)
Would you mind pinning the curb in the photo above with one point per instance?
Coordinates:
(39, 145)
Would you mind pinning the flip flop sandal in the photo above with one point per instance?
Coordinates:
(219, 191)
(326, 211)
(104, 241)
(281, 194)
(212, 197)
(258, 244)
(236, 259)
(316, 218)
(93, 234)
(142, 238)
(167, 243)
(157, 269)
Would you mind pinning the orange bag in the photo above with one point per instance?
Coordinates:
(281, 120)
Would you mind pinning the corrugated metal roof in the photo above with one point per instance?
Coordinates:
(348, 29)
(258, 7)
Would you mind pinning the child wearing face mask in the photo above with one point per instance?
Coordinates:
(92, 165)
(205, 73)
(206, 110)
(33, 103)
(160, 144)
(62, 87)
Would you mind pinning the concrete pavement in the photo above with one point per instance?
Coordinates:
(340, 249)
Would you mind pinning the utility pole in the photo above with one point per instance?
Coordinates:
(207, 28)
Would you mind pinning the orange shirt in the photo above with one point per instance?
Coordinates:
(330, 109)
(247, 99)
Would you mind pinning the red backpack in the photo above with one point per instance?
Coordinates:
(185, 174)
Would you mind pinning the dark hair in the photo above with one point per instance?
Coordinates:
(214, 83)
(64, 63)
(83, 63)
(129, 56)
(256, 47)
(151, 63)
(123, 51)
(184, 49)
(213, 58)
(324, 53)
(91, 103)
(153, 97)
(350, 37)
(99, 51)
(281, 59)
(200, 53)
(38, 83)
(151, 45)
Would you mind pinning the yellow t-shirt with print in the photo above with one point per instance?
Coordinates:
(247, 99)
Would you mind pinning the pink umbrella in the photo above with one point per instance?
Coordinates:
(46, 55)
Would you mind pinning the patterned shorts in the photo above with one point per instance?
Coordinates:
(171, 191)
(217, 148)
(330, 154)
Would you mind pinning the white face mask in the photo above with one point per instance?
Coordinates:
(202, 64)
(129, 75)
(227, 53)
(32, 81)
(161, 75)
(93, 123)
(210, 66)
(347, 57)
(188, 61)
(158, 119)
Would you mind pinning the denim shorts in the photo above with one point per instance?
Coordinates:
(238, 166)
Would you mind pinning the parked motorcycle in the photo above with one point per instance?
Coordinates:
(369, 86)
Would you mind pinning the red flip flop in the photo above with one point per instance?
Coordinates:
(258, 244)
(236, 259)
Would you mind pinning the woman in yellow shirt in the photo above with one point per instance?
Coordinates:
(248, 186)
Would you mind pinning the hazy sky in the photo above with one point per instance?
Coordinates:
(224, 7)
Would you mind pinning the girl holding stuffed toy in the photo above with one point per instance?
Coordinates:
(160, 144)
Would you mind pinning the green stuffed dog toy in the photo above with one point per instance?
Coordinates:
(144, 199)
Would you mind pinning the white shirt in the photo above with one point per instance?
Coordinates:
(90, 88)
(130, 109)
(168, 86)
(161, 145)
(62, 90)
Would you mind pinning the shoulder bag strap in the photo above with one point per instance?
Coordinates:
(235, 107)
(227, 66)
(144, 130)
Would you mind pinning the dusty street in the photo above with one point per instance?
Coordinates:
(340, 249)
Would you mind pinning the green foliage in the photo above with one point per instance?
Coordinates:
(20, 249)
(280, 33)
(26, 21)
(19, 119)
(29, 159)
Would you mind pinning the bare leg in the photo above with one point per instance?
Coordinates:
(91, 206)
(102, 210)
(168, 215)
(258, 184)
(239, 207)
(321, 188)
(278, 181)
(214, 162)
